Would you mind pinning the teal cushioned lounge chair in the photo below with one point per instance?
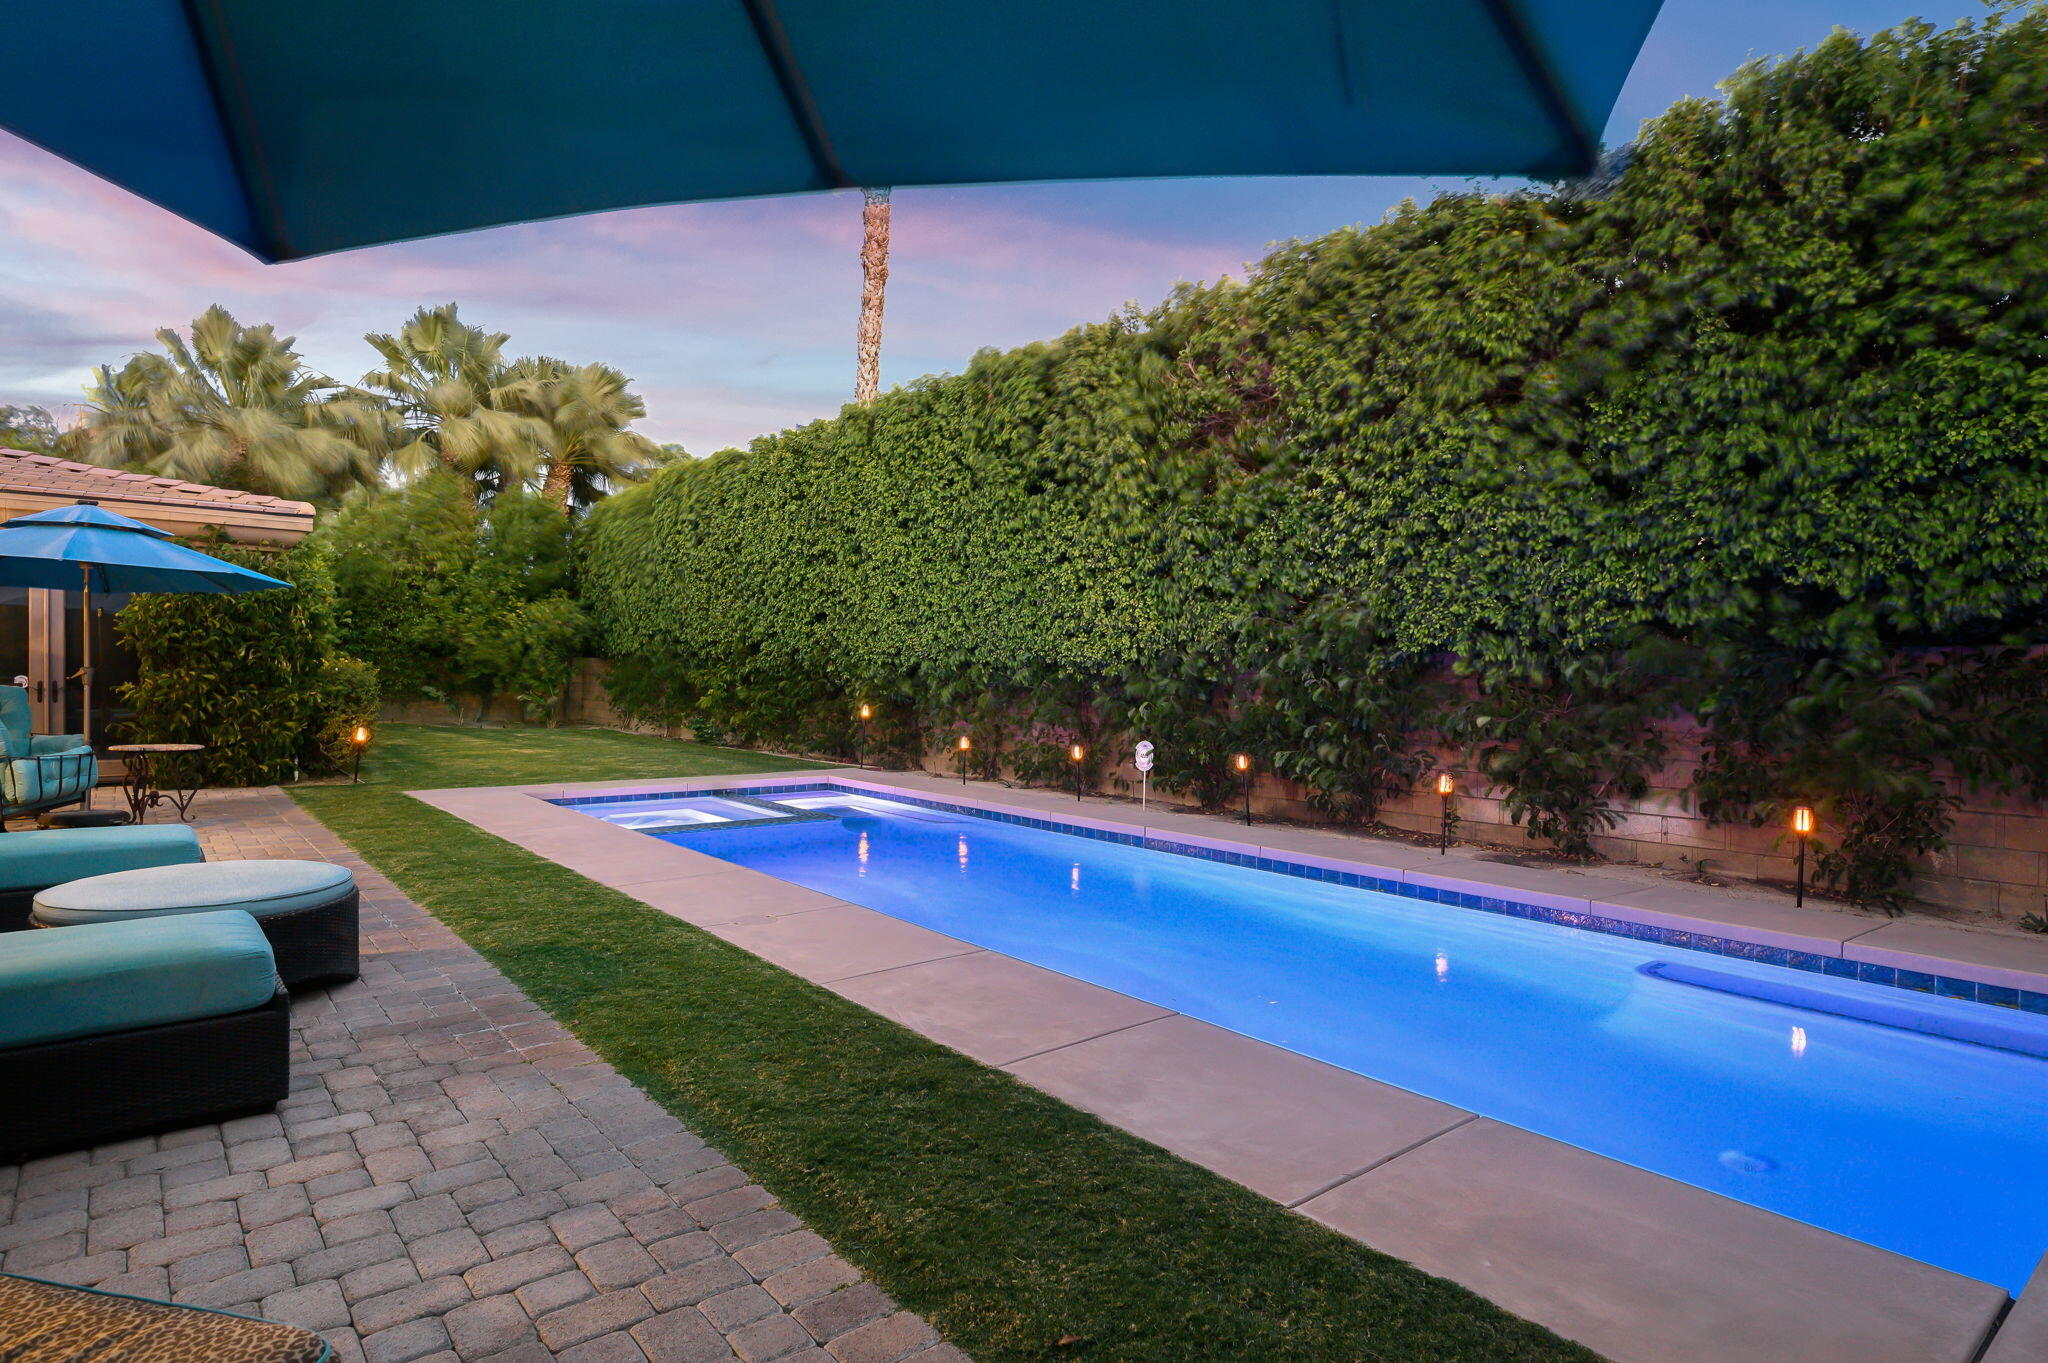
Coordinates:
(133, 1028)
(39, 771)
(32, 862)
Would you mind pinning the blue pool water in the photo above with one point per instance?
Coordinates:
(1934, 1148)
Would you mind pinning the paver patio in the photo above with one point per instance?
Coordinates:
(454, 1176)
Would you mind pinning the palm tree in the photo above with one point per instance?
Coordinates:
(584, 411)
(235, 407)
(441, 379)
(874, 278)
(115, 430)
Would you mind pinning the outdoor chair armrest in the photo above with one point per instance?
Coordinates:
(47, 779)
(40, 745)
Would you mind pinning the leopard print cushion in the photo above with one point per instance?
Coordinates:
(50, 1323)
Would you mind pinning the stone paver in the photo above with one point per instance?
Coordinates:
(453, 1177)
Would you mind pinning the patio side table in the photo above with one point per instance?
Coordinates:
(148, 766)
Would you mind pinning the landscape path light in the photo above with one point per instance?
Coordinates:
(1243, 763)
(1077, 752)
(1447, 788)
(867, 712)
(359, 740)
(964, 746)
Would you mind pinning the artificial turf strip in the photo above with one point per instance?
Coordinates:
(1022, 1228)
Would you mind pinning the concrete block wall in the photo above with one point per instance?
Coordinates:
(1997, 864)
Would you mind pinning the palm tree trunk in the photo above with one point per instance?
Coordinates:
(874, 277)
(555, 487)
(467, 479)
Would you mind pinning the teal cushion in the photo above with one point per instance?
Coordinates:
(15, 721)
(75, 982)
(51, 856)
(257, 887)
(49, 779)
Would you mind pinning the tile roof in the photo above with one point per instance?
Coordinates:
(44, 475)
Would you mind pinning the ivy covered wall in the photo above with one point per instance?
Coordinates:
(1751, 429)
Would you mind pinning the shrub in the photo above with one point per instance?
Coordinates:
(240, 674)
(454, 602)
(345, 697)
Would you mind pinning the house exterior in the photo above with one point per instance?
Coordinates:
(41, 631)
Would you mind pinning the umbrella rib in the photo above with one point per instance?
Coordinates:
(796, 91)
(1514, 29)
(223, 74)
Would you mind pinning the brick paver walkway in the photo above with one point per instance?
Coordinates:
(454, 1176)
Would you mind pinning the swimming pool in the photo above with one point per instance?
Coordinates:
(1833, 1110)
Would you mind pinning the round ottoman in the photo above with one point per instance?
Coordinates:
(306, 908)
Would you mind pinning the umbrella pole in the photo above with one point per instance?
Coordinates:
(85, 672)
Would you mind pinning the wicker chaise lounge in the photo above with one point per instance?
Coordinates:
(128, 1028)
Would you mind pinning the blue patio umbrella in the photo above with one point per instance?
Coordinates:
(90, 549)
(320, 125)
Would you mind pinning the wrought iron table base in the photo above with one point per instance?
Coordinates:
(143, 783)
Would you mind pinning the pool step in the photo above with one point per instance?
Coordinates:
(2021, 1032)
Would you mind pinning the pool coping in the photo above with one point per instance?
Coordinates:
(1597, 1250)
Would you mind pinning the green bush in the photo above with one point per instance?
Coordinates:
(241, 674)
(1773, 405)
(456, 603)
(346, 693)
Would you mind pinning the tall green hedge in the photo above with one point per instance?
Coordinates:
(1740, 430)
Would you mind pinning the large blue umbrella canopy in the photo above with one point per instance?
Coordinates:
(86, 546)
(91, 549)
(318, 125)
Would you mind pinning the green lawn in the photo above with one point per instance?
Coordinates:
(1012, 1221)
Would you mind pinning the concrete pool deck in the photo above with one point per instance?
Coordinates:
(1639, 1267)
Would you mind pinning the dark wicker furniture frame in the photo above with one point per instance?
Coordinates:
(318, 944)
(69, 767)
(14, 907)
(68, 1095)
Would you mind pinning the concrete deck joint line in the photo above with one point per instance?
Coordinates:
(891, 969)
(2021, 1334)
(1084, 1040)
(1382, 1161)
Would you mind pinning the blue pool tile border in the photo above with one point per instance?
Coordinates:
(1947, 986)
